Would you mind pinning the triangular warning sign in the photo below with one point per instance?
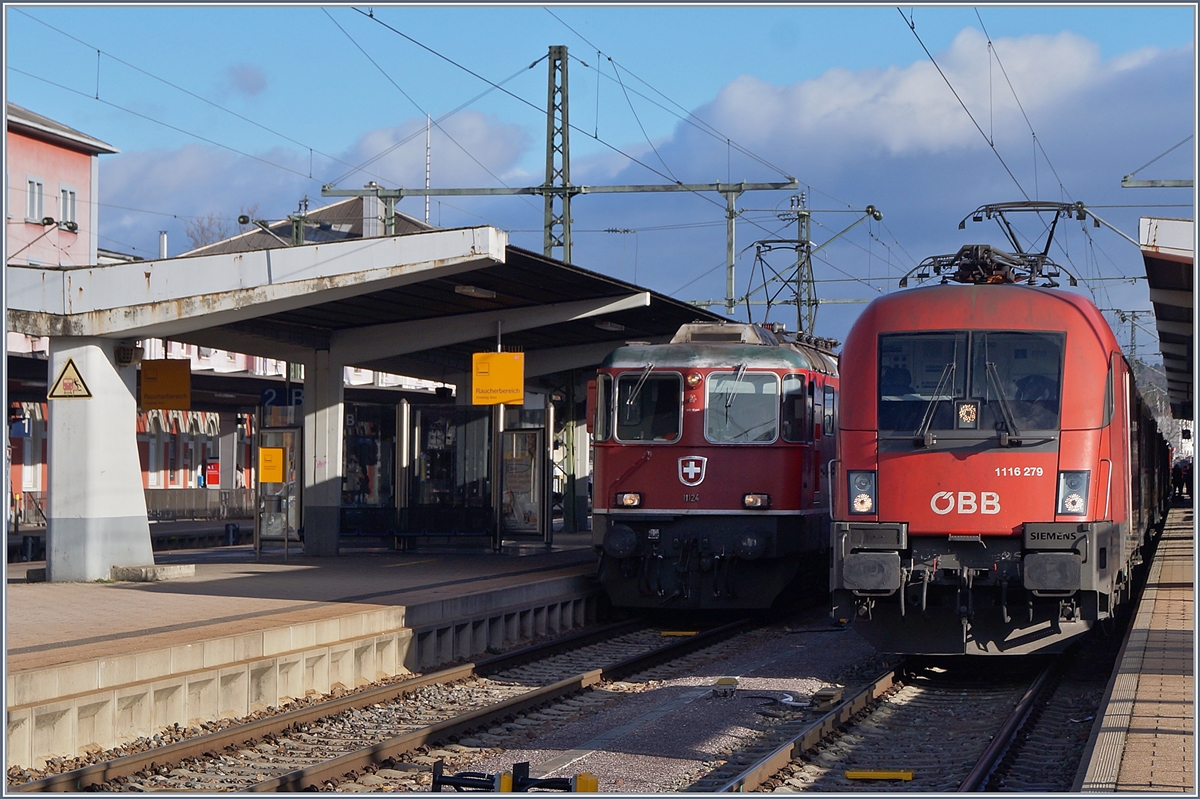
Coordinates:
(69, 384)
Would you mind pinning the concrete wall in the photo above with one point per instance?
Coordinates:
(70, 709)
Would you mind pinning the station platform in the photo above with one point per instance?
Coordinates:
(100, 663)
(1145, 739)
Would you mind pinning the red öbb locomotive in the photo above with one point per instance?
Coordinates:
(998, 472)
(710, 452)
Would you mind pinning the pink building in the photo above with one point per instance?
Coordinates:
(51, 173)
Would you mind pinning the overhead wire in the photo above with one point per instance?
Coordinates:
(160, 122)
(686, 116)
(1058, 243)
(913, 27)
(177, 87)
(439, 120)
(691, 119)
(595, 137)
(517, 97)
(415, 104)
(645, 135)
(1187, 139)
(1003, 71)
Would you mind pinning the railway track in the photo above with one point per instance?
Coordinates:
(922, 730)
(317, 746)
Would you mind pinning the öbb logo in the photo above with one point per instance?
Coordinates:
(944, 502)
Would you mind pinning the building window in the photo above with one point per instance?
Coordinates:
(34, 200)
(31, 466)
(153, 467)
(66, 205)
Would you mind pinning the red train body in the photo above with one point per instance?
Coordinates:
(997, 472)
(709, 475)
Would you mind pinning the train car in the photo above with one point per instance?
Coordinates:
(710, 457)
(998, 472)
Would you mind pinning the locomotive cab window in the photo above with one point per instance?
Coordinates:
(602, 424)
(793, 422)
(649, 406)
(830, 409)
(985, 381)
(743, 407)
(1017, 379)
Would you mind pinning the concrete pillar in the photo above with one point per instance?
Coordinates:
(323, 390)
(96, 511)
(227, 449)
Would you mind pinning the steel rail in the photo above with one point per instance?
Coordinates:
(100, 773)
(1012, 726)
(313, 777)
(764, 768)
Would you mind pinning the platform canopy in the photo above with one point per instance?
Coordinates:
(416, 304)
(1168, 250)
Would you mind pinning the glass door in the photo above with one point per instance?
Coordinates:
(279, 487)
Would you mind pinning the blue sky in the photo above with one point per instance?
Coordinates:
(844, 98)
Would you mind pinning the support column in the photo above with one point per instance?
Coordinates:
(323, 394)
(96, 510)
(227, 449)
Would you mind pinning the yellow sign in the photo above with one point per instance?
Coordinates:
(498, 378)
(270, 464)
(69, 384)
(166, 385)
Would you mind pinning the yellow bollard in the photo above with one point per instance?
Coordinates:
(587, 782)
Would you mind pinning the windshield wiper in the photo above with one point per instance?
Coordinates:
(637, 389)
(947, 379)
(741, 371)
(1005, 409)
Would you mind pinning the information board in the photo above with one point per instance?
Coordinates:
(270, 464)
(166, 385)
(498, 378)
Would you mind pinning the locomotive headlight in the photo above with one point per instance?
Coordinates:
(862, 491)
(629, 500)
(693, 380)
(759, 501)
(1073, 493)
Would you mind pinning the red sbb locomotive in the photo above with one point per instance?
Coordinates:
(709, 476)
(998, 472)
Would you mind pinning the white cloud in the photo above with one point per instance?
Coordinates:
(896, 138)
(910, 110)
(465, 149)
(165, 187)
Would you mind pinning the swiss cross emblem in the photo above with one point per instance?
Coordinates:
(691, 470)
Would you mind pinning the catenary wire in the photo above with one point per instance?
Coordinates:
(417, 105)
(1004, 72)
(160, 122)
(913, 27)
(1152, 160)
(517, 97)
(184, 90)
